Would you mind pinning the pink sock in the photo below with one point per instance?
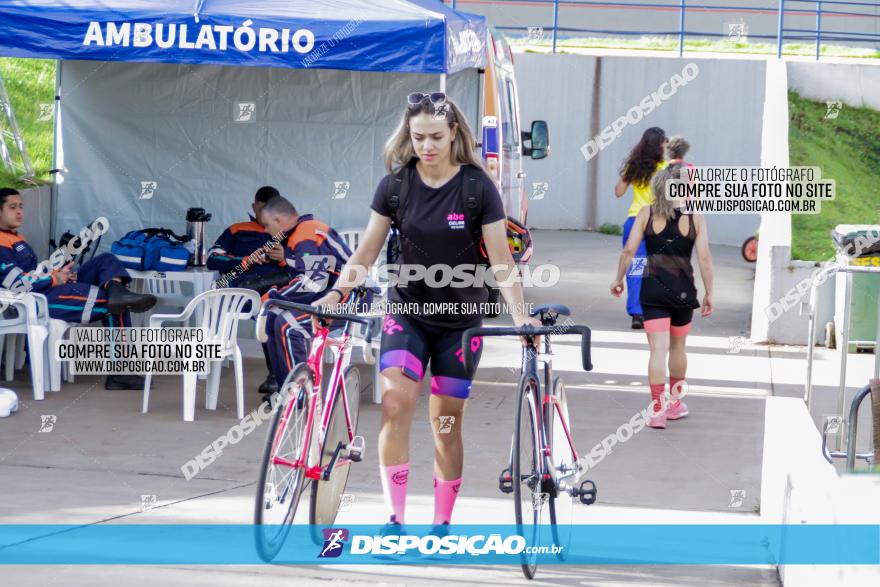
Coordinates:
(675, 392)
(445, 493)
(657, 395)
(394, 478)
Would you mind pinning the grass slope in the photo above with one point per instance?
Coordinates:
(30, 83)
(847, 148)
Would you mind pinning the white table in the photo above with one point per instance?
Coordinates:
(167, 285)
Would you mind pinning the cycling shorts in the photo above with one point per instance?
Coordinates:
(674, 319)
(411, 345)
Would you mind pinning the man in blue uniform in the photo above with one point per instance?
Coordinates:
(97, 292)
(248, 256)
(315, 253)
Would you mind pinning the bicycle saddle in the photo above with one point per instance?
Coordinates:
(558, 309)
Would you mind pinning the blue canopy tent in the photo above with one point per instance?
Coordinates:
(169, 104)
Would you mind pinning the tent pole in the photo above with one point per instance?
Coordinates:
(442, 82)
(56, 130)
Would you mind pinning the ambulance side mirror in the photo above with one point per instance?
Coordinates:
(539, 139)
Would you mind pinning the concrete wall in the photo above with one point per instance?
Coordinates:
(854, 84)
(735, 112)
(720, 113)
(798, 486)
(559, 90)
(773, 274)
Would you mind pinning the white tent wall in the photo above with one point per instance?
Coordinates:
(128, 123)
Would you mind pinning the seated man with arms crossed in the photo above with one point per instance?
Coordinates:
(97, 292)
(233, 256)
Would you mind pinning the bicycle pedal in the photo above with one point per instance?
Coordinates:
(587, 494)
(356, 449)
(505, 481)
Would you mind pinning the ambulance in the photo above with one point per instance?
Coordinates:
(503, 143)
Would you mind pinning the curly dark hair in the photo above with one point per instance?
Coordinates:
(644, 157)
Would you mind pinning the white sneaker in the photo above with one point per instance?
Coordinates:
(8, 402)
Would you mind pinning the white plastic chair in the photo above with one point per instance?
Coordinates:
(169, 294)
(221, 312)
(353, 237)
(57, 330)
(32, 319)
(12, 346)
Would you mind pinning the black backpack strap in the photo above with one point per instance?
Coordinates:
(472, 192)
(172, 235)
(396, 192)
(166, 232)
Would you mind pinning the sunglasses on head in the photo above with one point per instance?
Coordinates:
(417, 98)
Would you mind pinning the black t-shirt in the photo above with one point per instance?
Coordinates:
(434, 231)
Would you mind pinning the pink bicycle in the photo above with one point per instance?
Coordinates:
(312, 438)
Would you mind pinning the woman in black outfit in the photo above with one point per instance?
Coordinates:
(669, 294)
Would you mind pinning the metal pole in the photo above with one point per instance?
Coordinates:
(811, 342)
(443, 82)
(681, 28)
(844, 350)
(877, 351)
(555, 22)
(818, 27)
(854, 424)
(57, 161)
(779, 29)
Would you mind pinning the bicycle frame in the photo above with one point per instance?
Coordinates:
(341, 348)
(530, 361)
(529, 368)
(320, 341)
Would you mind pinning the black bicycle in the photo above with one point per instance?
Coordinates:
(544, 467)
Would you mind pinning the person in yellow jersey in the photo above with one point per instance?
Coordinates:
(645, 159)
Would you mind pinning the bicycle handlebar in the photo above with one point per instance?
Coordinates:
(526, 330)
(263, 336)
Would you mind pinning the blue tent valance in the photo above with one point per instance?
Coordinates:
(422, 36)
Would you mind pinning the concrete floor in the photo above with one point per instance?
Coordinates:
(103, 454)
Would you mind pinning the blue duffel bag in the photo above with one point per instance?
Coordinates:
(157, 249)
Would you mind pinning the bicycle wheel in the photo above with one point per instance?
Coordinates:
(562, 457)
(327, 495)
(280, 486)
(526, 471)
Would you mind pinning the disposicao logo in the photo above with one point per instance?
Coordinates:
(427, 545)
(334, 542)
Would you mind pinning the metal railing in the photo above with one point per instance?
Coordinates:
(818, 33)
(850, 453)
(785, 9)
